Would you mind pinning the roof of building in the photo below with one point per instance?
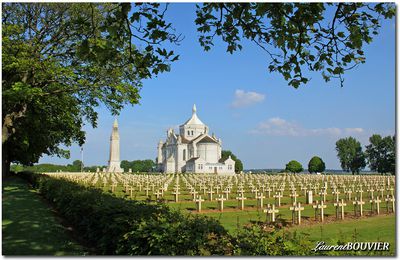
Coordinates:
(193, 159)
(222, 160)
(207, 139)
(194, 120)
(184, 140)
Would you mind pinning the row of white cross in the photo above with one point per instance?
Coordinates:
(258, 184)
(296, 208)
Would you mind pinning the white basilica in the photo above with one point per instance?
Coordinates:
(193, 150)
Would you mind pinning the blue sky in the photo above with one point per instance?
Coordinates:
(257, 115)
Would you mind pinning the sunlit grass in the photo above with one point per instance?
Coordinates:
(29, 226)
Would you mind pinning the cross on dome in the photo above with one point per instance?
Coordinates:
(194, 120)
(194, 109)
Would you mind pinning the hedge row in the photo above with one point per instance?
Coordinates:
(115, 226)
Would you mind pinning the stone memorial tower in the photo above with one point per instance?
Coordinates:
(114, 162)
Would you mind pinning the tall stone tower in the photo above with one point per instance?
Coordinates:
(114, 162)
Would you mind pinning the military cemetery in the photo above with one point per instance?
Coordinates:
(109, 112)
(193, 198)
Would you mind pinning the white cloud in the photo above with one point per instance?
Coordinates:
(280, 127)
(353, 130)
(244, 99)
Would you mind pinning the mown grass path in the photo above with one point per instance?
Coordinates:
(29, 226)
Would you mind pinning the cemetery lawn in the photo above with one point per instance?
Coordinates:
(29, 225)
(378, 228)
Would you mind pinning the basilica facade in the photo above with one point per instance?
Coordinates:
(193, 150)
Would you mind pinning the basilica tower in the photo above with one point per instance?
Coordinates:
(114, 162)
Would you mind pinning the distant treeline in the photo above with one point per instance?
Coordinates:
(283, 170)
(136, 166)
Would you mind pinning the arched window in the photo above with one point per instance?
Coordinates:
(188, 132)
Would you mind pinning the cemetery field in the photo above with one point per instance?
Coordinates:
(348, 208)
(29, 227)
(379, 228)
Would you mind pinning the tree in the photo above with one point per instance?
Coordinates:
(77, 165)
(138, 165)
(125, 165)
(238, 163)
(325, 37)
(316, 164)
(61, 61)
(381, 154)
(294, 167)
(350, 154)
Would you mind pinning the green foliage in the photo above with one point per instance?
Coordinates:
(350, 154)
(173, 234)
(253, 241)
(62, 60)
(316, 164)
(118, 226)
(238, 163)
(138, 165)
(114, 225)
(381, 154)
(77, 165)
(294, 167)
(48, 167)
(297, 37)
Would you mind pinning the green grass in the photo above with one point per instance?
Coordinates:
(368, 228)
(29, 225)
(379, 228)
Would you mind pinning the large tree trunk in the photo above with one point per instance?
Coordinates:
(8, 127)
(5, 161)
(7, 124)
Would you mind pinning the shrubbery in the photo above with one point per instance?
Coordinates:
(118, 226)
(115, 226)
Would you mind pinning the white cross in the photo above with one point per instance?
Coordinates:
(323, 195)
(198, 201)
(241, 200)
(147, 190)
(260, 202)
(271, 212)
(226, 192)
(376, 201)
(194, 193)
(210, 194)
(359, 203)
(130, 191)
(176, 194)
(278, 197)
(220, 200)
(254, 190)
(321, 207)
(341, 205)
(158, 194)
(113, 186)
(296, 208)
(392, 200)
(371, 193)
(336, 192)
(348, 192)
(294, 196)
(269, 191)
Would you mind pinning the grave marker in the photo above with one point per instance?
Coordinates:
(271, 212)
